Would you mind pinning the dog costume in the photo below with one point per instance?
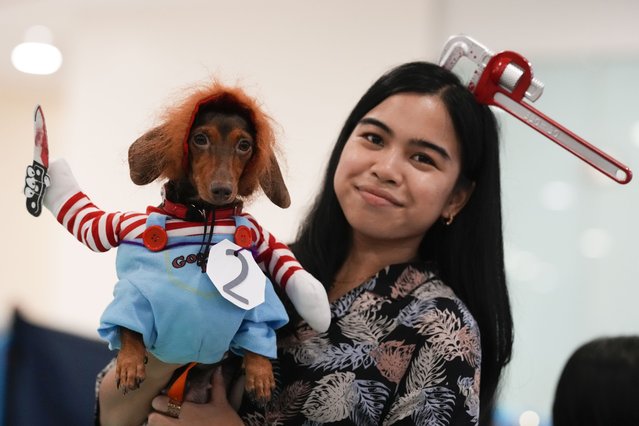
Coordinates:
(163, 291)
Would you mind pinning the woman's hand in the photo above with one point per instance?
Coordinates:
(131, 409)
(217, 411)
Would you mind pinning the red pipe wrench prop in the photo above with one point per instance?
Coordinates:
(37, 179)
(506, 80)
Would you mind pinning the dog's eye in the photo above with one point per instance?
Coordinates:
(244, 145)
(200, 139)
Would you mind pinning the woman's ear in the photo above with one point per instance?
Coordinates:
(458, 199)
(273, 185)
(149, 156)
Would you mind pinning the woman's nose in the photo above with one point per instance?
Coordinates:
(386, 167)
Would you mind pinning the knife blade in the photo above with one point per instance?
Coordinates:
(37, 180)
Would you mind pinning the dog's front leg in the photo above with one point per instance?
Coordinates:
(129, 368)
(259, 377)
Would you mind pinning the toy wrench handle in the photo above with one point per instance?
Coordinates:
(498, 86)
(565, 138)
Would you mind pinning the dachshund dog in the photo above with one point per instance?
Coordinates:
(220, 146)
(213, 150)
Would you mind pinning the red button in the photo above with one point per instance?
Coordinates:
(155, 238)
(243, 236)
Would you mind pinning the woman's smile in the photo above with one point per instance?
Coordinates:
(377, 197)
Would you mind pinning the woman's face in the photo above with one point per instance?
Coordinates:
(397, 173)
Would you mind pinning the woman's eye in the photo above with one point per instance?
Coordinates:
(423, 158)
(244, 145)
(200, 139)
(373, 138)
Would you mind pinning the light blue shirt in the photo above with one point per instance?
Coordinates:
(177, 309)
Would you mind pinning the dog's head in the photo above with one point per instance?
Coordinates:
(217, 143)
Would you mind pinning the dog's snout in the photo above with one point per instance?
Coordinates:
(221, 193)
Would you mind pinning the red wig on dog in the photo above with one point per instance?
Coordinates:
(163, 151)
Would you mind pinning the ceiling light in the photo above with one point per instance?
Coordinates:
(529, 418)
(37, 54)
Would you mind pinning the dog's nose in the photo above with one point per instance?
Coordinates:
(221, 192)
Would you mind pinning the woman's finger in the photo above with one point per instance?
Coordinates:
(164, 414)
(158, 419)
(160, 403)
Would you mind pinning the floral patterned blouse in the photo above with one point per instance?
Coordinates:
(401, 349)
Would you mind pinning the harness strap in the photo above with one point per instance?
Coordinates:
(176, 390)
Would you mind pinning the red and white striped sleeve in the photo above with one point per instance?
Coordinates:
(273, 256)
(93, 227)
(97, 229)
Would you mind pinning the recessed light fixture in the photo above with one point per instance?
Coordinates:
(37, 54)
(529, 418)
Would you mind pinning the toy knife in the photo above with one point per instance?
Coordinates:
(505, 80)
(37, 179)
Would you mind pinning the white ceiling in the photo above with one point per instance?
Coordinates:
(544, 27)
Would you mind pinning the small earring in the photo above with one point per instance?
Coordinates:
(449, 221)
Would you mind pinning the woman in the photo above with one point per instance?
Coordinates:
(406, 236)
(598, 384)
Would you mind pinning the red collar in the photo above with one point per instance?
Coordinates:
(184, 212)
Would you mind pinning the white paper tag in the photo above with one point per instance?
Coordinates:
(236, 276)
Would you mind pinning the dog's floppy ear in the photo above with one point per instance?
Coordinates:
(273, 185)
(151, 157)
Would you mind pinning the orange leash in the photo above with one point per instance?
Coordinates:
(176, 390)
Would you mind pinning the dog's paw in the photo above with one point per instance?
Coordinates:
(259, 382)
(260, 389)
(129, 371)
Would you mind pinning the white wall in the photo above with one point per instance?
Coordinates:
(309, 62)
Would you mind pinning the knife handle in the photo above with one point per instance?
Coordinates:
(36, 182)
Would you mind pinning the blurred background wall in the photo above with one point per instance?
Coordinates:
(570, 233)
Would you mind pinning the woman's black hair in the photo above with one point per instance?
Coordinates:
(469, 252)
(598, 385)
